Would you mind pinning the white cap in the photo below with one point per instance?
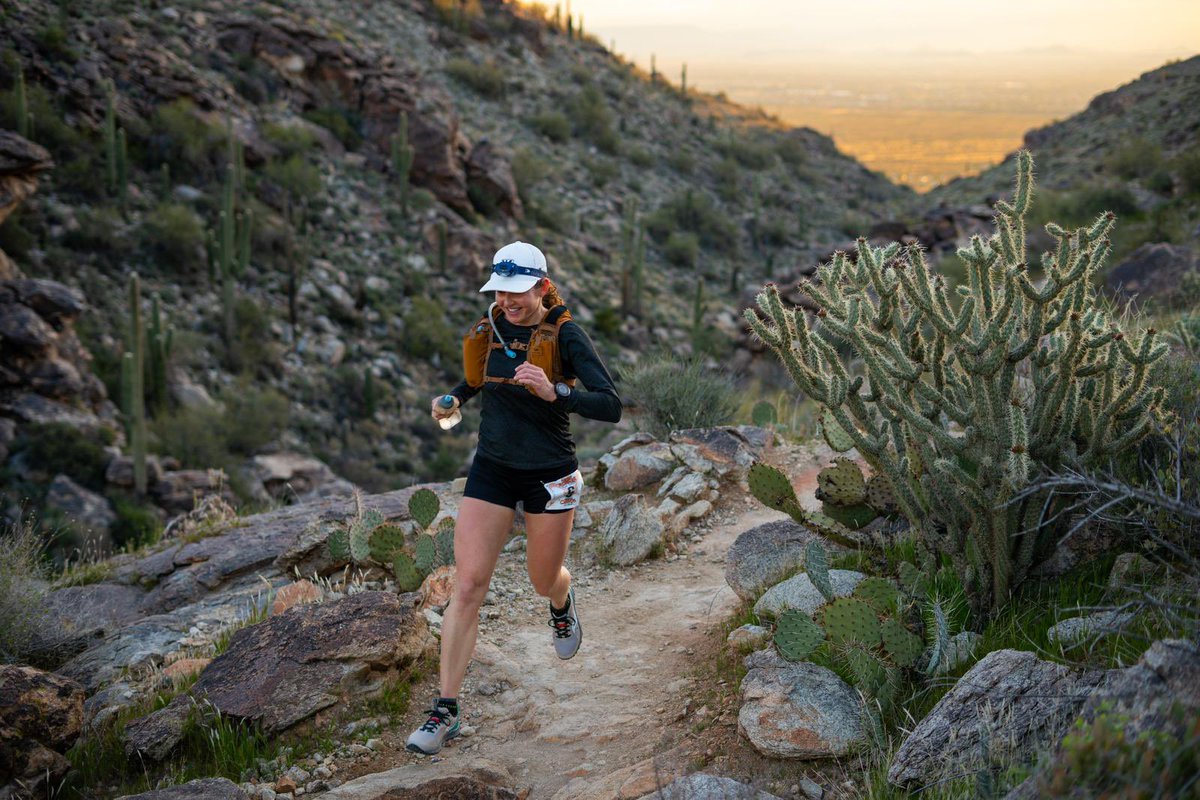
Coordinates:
(529, 267)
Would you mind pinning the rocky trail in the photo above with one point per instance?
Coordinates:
(592, 725)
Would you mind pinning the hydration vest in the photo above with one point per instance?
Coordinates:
(542, 350)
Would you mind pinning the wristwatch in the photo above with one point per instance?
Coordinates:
(562, 389)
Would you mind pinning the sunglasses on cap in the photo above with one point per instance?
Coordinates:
(506, 269)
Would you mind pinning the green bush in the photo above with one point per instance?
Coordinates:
(1187, 167)
(791, 151)
(427, 334)
(682, 249)
(296, 176)
(747, 152)
(695, 212)
(592, 120)
(1138, 158)
(52, 40)
(554, 125)
(174, 235)
(204, 437)
(670, 393)
(15, 239)
(602, 170)
(182, 139)
(344, 124)
(725, 175)
(681, 161)
(486, 79)
(640, 157)
(528, 169)
(56, 447)
(136, 524)
(254, 417)
(292, 140)
(100, 233)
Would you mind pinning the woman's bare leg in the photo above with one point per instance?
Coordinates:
(479, 534)
(547, 539)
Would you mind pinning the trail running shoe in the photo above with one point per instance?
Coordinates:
(441, 727)
(568, 633)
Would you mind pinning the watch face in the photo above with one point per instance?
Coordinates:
(562, 389)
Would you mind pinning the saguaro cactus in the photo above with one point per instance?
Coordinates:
(963, 402)
(24, 128)
(133, 370)
(402, 161)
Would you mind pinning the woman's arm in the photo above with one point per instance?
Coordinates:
(600, 401)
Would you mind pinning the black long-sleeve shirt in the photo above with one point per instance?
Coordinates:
(522, 430)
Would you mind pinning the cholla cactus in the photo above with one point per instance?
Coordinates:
(965, 401)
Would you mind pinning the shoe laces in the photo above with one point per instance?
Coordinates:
(437, 716)
(563, 627)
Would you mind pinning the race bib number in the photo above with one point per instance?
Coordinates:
(564, 492)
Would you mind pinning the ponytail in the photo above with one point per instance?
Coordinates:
(551, 298)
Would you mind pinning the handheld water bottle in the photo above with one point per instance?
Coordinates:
(446, 423)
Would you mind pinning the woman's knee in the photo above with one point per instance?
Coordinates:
(543, 582)
(469, 590)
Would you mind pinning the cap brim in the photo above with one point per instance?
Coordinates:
(515, 284)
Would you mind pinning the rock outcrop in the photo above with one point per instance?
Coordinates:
(765, 555)
(631, 532)
(478, 780)
(41, 715)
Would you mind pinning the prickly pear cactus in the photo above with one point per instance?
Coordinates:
(835, 435)
(880, 495)
(880, 593)
(941, 637)
(426, 553)
(868, 670)
(796, 635)
(852, 517)
(360, 542)
(371, 520)
(912, 579)
(763, 415)
(901, 644)
(772, 488)
(408, 577)
(385, 541)
(850, 620)
(445, 543)
(842, 483)
(423, 507)
(338, 542)
(816, 565)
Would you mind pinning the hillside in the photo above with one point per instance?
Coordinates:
(343, 269)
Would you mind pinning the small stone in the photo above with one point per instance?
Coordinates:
(373, 744)
(285, 785)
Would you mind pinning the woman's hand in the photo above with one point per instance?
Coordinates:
(534, 378)
(440, 411)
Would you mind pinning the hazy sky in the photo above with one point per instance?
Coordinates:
(707, 32)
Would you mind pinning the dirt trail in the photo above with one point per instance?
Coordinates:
(629, 695)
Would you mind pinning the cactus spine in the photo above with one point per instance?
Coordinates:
(945, 411)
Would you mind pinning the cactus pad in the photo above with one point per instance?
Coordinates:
(868, 670)
(408, 577)
(423, 507)
(816, 564)
(850, 620)
(796, 635)
(830, 528)
(426, 553)
(911, 578)
(763, 415)
(338, 542)
(445, 543)
(384, 542)
(853, 517)
(771, 487)
(902, 644)
(360, 542)
(371, 520)
(835, 435)
(880, 593)
(880, 495)
(842, 483)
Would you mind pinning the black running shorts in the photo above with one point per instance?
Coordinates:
(542, 491)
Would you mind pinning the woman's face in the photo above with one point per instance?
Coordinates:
(524, 308)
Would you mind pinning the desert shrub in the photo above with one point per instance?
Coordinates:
(682, 249)
(548, 212)
(607, 323)
(485, 79)
(681, 161)
(640, 156)
(15, 239)
(427, 334)
(180, 138)
(1137, 158)
(528, 169)
(292, 140)
(1187, 167)
(22, 590)
(749, 153)
(592, 120)
(791, 151)
(136, 524)
(554, 125)
(343, 123)
(672, 393)
(602, 170)
(174, 235)
(296, 176)
(204, 437)
(56, 447)
(101, 232)
(52, 40)
(695, 212)
(725, 177)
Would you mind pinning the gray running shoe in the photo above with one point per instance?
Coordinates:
(441, 727)
(568, 633)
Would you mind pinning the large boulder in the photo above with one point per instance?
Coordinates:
(639, 467)
(79, 616)
(85, 511)
(292, 476)
(288, 667)
(203, 789)
(631, 532)
(490, 178)
(41, 715)
(477, 780)
(1018, 702)
(725, 450)
(764, 555)
(21, 161)
(799, 593)
(798, 709)
(1152, 271)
